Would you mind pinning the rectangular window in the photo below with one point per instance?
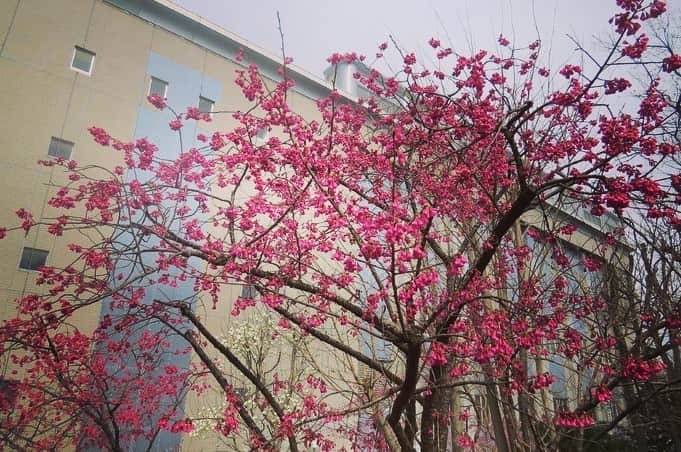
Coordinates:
(263, 134)
(8, 393)
(560, 404)
(60, 148)
(205, 105)
(158, 87)
(613, 409)
(480, 409)
(241, 392)
(83, 60)
(248, 291)
(552, 347)
(366, 428)
(32, 258)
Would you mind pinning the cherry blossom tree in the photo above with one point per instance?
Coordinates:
(416, 246)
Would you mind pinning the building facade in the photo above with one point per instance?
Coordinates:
(67, 65)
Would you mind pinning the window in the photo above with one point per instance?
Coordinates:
(83, 60)
(560, 404)
(205, 105)
(366, 427)
(612, 410)
(60, 148)
(248, 291)
(158, 87)
(241, 392)
(32, 258)
(8, 393)
(480, 409)
(553, 347)
(263, 134)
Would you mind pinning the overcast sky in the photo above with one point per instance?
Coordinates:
(313, 29)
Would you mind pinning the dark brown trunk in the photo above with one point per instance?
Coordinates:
(434, 429)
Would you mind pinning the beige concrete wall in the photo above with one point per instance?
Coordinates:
(7, 12)
(43, 97)
(46, 98)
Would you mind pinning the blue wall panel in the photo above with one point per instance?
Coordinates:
(185, 85)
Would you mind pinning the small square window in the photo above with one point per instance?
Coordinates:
(263, 134)
(240, 392)
(560, 404)
(8, 393)
(60, 148)
(158, 87)
(32, 258)
(248, 291)
(205, 105)
(83, 60)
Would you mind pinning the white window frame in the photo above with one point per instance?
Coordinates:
(165, 86)
(262, 136)
(63, 141)
(92, 62)
(212, 105)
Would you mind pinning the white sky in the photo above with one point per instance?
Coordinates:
(314, 29)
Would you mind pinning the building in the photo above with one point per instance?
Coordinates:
(67, 65)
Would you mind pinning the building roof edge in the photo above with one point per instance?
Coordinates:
(200, 31)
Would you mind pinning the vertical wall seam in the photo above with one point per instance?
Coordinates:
(10, 28)
(89, 21)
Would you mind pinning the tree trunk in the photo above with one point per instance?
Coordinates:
(510, 421)
(495, 416)
(410, 424)
(525, 409)
(435, 407)
(524, 402)
(455, 427)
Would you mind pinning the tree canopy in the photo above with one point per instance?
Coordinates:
(462, 230)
